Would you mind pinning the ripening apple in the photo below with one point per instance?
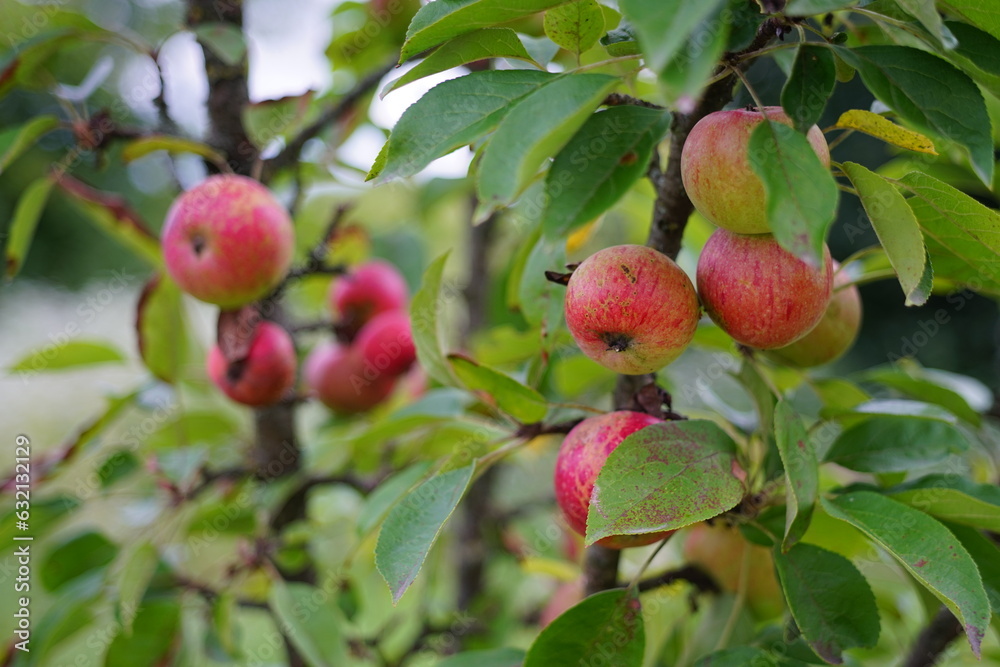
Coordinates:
(337, 376)
(835, 333)
(719, 549)
(267, 373)
(371, 288)
(716, 171)
(386, 343)
(227, 241)
(630, 308)
(758, 292)
(581, 457)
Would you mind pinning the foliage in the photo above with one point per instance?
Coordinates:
(352, 539)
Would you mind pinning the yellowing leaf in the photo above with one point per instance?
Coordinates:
(884, 129)
(580, 236)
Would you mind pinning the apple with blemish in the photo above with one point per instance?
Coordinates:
(835, 333)
(370, 289)
(336, 375)
(227, 241)
(716, 171)
(758, 292)
(582, 455)
(266, 374)
(631, 309)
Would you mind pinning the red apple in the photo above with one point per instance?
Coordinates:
(227, 241)
(372, 288)
(631, 309)
(337, 376)
(716, 172)
(719, 549)
(580, 459)
(386, 343)
(758, 292)
(835, 333)
(267, 373)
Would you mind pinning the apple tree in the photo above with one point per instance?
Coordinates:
(609, 399)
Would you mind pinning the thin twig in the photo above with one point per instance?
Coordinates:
(692, 574)
(943, 629)
(290, 154)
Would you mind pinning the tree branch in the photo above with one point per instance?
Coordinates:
(943, 629)
(290, 154)
(692, 574)
(600, 569)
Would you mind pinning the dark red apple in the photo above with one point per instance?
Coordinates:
(337, 376)
(580, 459)
(371, 288)
(758, 292)
(386, 343)
(267, 373)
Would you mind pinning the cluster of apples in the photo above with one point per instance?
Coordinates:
(360, 371)
(229, 242)
(633, 310)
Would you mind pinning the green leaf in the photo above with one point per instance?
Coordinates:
(896, 444)
(925, 12)
(575, 26)
(412, 527)
(931, 92)
(980, 13)
(978, 54)
(664, 26)
(540, 300)
(522, 403)
(111, 214)
(424, 315)
(22, 227)
(74, 612)
(224, 39)
(608, 625)
(160, 330)
(142, 146)
(223, 634)
(963, 235)
(453, 114)
(600, 163)
(830, 600)
(801, 472)
(75, 556)
(684, 78)
(663, 477)
(925, 389)
(800, 193)
(498, 657)
(953, 498)
(810, 85)
(133, 580)
(621, 41)
(897, 231)
(45, 513)
(16, 140)
(381, 500)
(987, 557)
(437, 22)
(154, 632)
(535, 129)
(926, 549)
(738, 657)
(467, 48)
(60, 355)
(810, 7)
(309, 617)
